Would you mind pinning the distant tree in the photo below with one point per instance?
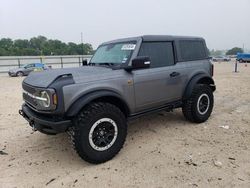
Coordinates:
(72, 48)
(42, 46)
(6, 43)
(209, 53)
(234, 51)
(87, 49)
(3, 52)
(38, 42)
(21, 43)
(216, 52)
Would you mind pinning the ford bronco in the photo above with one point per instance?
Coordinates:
(125, 79)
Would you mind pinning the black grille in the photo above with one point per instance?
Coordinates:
(29, 88)
(28, 99)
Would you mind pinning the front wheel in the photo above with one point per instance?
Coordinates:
(199, 106)
(99, 132)
(19, 74)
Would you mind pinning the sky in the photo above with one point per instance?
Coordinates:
(223, 23)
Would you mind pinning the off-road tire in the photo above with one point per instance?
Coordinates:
(190, 109)
(83, 122)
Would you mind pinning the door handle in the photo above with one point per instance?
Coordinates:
(174, 74)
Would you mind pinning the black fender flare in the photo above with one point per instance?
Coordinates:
(75, 108)
(201, 78)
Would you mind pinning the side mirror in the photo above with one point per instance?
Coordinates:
(84, 62)
(140, 62)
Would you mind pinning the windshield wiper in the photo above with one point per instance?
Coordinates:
(103, 64)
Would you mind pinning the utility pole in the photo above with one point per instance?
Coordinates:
(82, 45)
(243, 48)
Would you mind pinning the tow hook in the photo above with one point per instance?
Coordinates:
(21, 112)
(33, 126)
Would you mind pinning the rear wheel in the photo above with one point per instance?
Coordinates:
(99, 132)
(199, 106)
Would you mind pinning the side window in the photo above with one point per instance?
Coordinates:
(160, 53)
(30, 66)
(39, 65)
(192, 50)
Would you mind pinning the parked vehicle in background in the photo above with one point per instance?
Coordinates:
(243, 57)
(24, 70)
(232, 56)
(221, 58)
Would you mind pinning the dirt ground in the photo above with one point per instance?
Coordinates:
(161, 150)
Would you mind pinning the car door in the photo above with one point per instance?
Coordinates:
(163, 81)
(29, 68)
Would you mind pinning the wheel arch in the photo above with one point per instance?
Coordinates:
(98, 96)
(198, 79)
(20, 72)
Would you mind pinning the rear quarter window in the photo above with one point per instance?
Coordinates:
(191, 50)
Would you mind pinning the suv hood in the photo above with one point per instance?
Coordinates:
(80, 74)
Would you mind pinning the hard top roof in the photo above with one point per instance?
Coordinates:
(167, 37)
(155, 38)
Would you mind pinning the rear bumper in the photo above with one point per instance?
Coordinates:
(44, 123)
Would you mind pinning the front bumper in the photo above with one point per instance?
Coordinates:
(44, 123)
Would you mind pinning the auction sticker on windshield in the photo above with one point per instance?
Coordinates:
(128, 47)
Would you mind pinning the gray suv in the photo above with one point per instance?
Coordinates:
(125, 79)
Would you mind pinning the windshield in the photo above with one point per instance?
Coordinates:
(22, 66)
(114, 54)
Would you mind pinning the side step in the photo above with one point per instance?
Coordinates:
(168, 107)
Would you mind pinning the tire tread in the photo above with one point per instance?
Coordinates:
(82, 119)
(188, 107)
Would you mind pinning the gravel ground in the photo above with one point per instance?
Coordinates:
(161, 150)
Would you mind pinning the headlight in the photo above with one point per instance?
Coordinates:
(43, 99)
